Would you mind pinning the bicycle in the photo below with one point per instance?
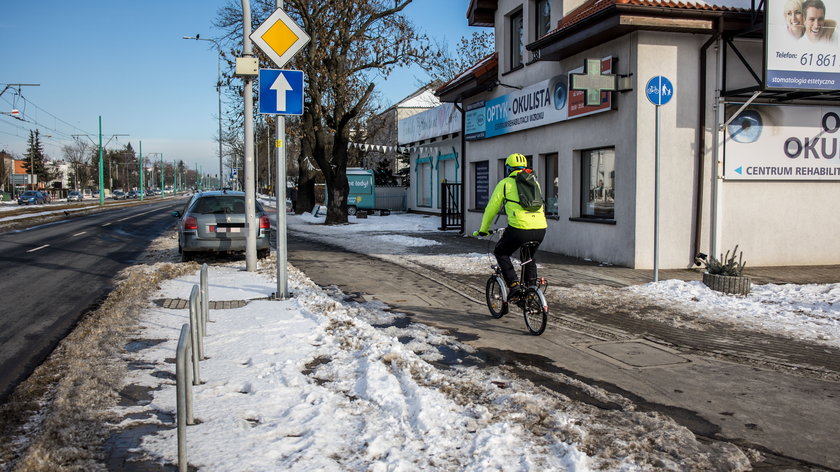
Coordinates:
(531, 300)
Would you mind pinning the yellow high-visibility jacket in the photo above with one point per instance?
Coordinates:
(506, 194)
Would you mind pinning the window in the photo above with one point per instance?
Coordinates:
(481, 177)
(424, 181)
(517, 40)
(502, 168)
(550, 183)
(597, 186)
(425, 184)
(542, 17)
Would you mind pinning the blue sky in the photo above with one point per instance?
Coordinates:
(126, 62)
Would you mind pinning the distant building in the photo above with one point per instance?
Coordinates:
(381, 133)
(433, 141)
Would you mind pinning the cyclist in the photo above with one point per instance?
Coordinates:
(523, 225)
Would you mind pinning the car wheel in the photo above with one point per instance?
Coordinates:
(351, 211)
(263, 253)
(186, 256)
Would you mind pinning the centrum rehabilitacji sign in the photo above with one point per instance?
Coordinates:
(279, 37)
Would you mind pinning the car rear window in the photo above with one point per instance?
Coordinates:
(220, 204)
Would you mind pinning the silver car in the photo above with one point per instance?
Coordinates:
(215, 222)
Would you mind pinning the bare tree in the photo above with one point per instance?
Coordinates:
(6, 167)
(445, 65)
(77, 155)
(353, 43)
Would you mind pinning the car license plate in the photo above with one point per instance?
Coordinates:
(221, 229)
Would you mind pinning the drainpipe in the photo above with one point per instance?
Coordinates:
(463, 165)
(701, 146)
(717, 167)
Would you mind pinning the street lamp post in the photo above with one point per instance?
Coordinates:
(218, 89)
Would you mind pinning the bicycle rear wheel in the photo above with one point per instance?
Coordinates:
(535, 310)
(496, 294)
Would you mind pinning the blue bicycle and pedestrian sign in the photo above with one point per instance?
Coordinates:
(281, 92)
(659, 90)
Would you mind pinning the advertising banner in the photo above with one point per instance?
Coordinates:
(802, 45)
(543, 103)
(474, 121)
(783, 143)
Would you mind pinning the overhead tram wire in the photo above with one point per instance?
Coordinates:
(52, 130)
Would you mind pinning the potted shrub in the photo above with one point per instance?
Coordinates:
(726, 274)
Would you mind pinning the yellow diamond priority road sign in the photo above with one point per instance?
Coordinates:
(279, 37)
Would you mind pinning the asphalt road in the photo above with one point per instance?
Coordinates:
(54, 273)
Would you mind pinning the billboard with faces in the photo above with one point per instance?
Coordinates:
(802, 46)
(782, 143)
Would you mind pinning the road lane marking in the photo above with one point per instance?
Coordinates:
(38, 248)
(139, 214)
(106, 224)
(79, 234)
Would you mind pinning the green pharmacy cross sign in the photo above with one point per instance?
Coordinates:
(593, 82)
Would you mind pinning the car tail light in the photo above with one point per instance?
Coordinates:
(265, 223)
(190, 223)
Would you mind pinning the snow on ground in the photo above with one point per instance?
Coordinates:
(809, 312)
(381, 229)
(317, 383)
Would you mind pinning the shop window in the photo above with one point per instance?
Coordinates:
(597, 186)
(542, 17)
(550, 183)
(423, 171)
(517, 40)
(481, 177)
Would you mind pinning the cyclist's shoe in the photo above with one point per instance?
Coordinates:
(515, 292)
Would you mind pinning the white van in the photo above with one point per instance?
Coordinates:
(87, 194)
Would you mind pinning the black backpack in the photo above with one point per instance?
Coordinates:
(530, 196)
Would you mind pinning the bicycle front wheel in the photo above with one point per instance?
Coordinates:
(496, 294)
(536, 311)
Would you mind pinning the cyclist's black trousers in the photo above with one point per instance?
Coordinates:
(511, 240)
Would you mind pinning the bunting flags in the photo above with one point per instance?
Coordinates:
(399, 149)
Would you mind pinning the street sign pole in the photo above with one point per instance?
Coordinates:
(280, 192)
(659, 91)
(280, 38)
(656, 203)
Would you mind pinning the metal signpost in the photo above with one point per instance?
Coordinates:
(659, 91)
(281, 91)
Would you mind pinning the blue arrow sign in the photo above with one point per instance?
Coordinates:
(281, 92)
(659, 90)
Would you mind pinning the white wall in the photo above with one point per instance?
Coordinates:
(677, 58)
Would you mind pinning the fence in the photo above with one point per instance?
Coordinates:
(390, 198)
(190, 351)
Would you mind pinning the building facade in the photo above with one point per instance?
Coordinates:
(433, 140)
(740, 163)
